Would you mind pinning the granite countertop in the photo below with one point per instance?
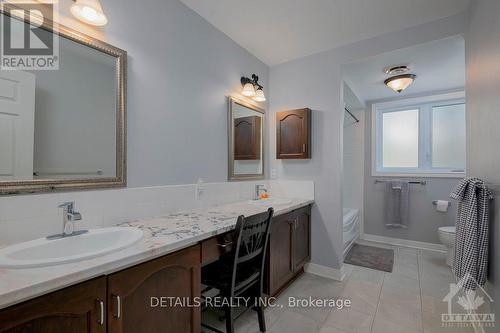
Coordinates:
(162, 235)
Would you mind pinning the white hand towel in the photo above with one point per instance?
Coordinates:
(442, 205)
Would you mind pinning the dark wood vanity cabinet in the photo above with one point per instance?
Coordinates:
(289, 248)
(77, 309)
(130, 292)
(247, 138)
(293, 134)
(118, 303)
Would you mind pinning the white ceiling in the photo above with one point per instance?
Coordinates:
(439, 65)
(277, 31)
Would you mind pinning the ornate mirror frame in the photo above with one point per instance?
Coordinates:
(120, 180)
(230, 130)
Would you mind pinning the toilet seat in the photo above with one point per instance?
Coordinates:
(448, 230)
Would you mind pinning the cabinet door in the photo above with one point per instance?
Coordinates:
(293, 134)
(280, 253)
(130, 292)
(301, 238)
(76, 309)
(247, 138)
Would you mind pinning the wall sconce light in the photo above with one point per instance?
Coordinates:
(401, 81)
(89, 11)
(252, 88)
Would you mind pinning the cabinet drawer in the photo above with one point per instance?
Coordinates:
(213, 248)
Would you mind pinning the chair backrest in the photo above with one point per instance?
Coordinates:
(251, 245)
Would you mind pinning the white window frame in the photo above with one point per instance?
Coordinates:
(424, 105)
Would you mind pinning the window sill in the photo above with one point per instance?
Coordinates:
(419, 175)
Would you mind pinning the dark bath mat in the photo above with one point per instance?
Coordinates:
(371, 257)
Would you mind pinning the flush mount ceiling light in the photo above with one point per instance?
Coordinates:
(252, 88)
(89, 11)
(400, 82)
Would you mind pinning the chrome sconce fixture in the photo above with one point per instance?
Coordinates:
(252, 88)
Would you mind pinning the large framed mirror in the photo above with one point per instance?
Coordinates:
(246, 140)
(63, 129)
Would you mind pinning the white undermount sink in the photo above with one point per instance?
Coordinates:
(271, 202)
(43, 252)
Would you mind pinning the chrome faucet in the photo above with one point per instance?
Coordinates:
(70, 216)
(258, 188)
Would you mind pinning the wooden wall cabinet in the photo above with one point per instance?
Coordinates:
(247, 138)
(293, 134)
(118, 303)
(289, 248)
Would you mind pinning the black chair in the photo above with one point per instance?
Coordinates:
(240, 272)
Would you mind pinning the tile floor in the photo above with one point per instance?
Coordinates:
(408, 300)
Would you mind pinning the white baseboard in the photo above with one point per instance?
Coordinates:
(325, 271)
(404, 242)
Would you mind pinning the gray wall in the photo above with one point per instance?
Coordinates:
(353, 154)
(353, 157)
(483, 111)
(180, 70)
(424, 220)
(310, 82)
(316, 82)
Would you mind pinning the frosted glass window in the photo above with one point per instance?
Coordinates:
(400, 139)
(448, 136)
(426, 137)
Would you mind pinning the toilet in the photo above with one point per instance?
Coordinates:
(447, 237)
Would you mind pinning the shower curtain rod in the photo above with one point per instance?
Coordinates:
(353, 116)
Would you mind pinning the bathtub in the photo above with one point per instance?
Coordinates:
(350, 227)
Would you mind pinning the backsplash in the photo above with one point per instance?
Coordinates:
(28, 217)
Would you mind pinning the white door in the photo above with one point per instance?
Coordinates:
(17, 124)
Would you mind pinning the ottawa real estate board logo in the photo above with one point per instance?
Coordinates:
(468, 305)
(27, 41)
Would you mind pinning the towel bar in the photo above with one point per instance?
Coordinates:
(420, 182)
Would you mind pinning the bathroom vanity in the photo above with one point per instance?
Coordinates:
(113, 293)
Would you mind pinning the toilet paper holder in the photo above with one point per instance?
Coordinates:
(434, 202)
